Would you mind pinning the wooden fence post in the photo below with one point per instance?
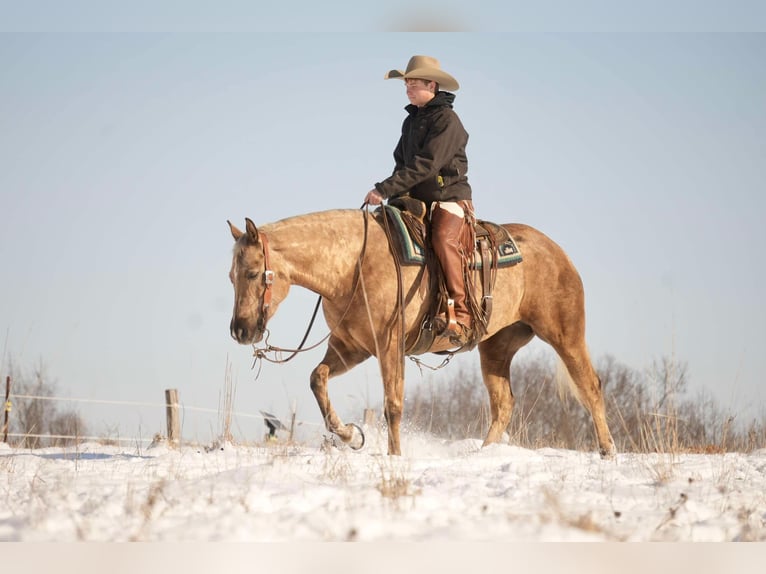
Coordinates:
(173, 420)
(7, 408)
(292, 427)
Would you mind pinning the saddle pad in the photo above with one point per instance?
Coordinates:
(413, 252)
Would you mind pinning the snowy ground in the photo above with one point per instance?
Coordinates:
(436, 491)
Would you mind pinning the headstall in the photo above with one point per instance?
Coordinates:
(268, 280)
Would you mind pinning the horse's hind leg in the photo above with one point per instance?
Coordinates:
(337, 360)
(559, 320)
(587, 389)
(496, 354)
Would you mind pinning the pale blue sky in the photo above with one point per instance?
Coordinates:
(123, 155)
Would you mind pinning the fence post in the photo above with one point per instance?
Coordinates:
(7, 408)
(369, 417)
(173, 420)
(292, 427)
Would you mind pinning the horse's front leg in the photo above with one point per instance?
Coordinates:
(337, 360)
(392, 371)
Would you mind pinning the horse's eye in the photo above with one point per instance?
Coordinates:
(251, 275)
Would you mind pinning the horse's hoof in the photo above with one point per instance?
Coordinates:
(357, 437)
(608, 453)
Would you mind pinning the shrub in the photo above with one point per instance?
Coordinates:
(32, 417)
(648, 411)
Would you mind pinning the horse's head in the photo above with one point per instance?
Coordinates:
(258, 289)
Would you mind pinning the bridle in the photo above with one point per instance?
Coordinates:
(268, 280)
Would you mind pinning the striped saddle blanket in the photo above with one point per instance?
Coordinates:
(409, 232)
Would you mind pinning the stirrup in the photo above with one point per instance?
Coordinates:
(446, 321)
(459, 335)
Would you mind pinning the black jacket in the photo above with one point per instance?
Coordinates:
(430, 158)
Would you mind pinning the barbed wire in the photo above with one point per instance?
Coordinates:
(96, 401)
(100, 439)
(145, 404)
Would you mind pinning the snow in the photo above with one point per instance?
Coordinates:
(437, 491)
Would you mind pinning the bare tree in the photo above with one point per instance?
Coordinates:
(66, 428)
(36, 417)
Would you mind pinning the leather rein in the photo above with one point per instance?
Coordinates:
(268, 278)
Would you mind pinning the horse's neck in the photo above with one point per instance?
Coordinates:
(319, 250)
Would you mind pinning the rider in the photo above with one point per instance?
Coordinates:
(431, 165)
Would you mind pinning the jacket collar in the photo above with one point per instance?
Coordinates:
(439, 100)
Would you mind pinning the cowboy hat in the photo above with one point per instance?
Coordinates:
(426, 68)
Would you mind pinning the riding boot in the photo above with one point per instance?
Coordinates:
(448, 239)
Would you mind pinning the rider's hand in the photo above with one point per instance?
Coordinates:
(373, 197)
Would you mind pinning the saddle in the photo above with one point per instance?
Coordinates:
(405, 224)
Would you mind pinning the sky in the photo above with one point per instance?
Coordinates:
(123, 156)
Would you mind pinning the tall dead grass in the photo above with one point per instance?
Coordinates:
(648, 411)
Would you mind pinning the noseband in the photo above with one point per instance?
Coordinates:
(268, 281)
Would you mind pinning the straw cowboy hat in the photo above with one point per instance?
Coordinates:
(426, 68)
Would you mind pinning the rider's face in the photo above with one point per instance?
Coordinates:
(419, 92)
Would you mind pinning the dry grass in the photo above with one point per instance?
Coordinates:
(226, 404)
(394, 483)
(337, 468)
(7, 464)
(585, 522)
(751, 526)
(148, 509)
(649, 411)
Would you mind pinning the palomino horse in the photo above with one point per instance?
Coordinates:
(350, 264)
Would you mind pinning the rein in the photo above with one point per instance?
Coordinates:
(400, 305)
(261, 353)
(399, 290)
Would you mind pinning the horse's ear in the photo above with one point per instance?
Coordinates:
(252, 231)
(236, 233)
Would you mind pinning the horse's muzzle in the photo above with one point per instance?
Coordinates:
(244, 335)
